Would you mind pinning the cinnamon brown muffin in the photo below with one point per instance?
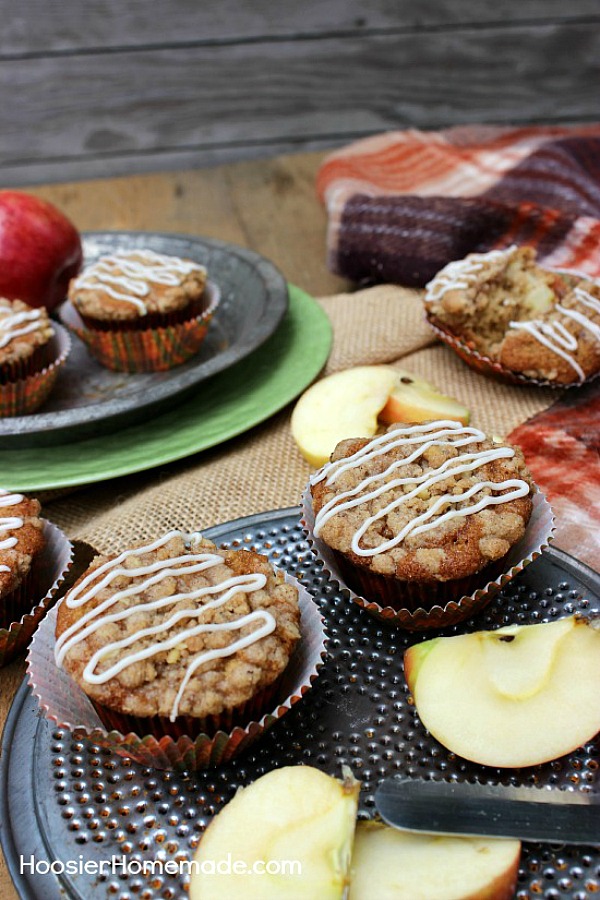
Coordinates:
(138, 289)
(24, 336)
(176, 636)
(21, 543)
(415, 514)
(539, 323)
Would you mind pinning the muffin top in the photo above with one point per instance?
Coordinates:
(177, 627)
(21, 539)
(22, 330)
(127, 285)
(429, 502)
(541, 323)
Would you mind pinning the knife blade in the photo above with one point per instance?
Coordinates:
(527, 813)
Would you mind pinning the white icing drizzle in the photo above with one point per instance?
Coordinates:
(147, 266)
(9, 523)
(462, 273)
(581, 319)
(384, 443)
(586, 298)
(555, 336)
(10, 322)
(431, 434)
(188, 563)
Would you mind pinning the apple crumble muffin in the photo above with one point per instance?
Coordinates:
(177, 628)
(24, 336)
(138, 288)
(21, 542)
(536, 322)
(428, 505)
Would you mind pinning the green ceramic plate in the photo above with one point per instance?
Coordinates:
(224, 406)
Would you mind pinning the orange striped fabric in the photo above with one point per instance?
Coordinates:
(401, 205)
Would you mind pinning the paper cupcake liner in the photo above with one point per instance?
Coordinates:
(18, 602)
(62, 701)
(447, 612)
(49, 571)
(189, 726)
(148, 350)
(409, 595)
(491, 368)
(151, 320)
(31, 388)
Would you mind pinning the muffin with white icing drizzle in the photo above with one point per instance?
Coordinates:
(24, 336)
(178, 637)
(535, 322)
(422, 514)
(32, 350)
(21, 543)
(138, 289)
(141, 311)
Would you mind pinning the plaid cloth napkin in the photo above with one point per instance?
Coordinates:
(403, 204)
(562, 449)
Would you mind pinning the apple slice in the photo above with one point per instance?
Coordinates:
(340, 406)
(355, 402)
(517, 696)
(295, 817)
(415, 400)
(399, 865)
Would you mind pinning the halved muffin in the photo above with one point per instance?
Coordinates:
(536, 322)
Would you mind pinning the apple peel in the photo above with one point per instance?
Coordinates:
(538, 534)
(40, 250)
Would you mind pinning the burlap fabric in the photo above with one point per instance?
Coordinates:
(262, 469)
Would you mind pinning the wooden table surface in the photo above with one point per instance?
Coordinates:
(269, 206)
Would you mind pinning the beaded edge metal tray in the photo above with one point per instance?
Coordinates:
(67, 800)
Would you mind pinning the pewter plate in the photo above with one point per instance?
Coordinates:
(222, 407)
(90, 400)
(62, 800)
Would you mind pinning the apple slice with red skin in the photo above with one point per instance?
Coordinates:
(517, 696)
(40, 250)
(415, 400)
(397, 865)
(356, 402)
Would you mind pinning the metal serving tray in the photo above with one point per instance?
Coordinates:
(66, 800)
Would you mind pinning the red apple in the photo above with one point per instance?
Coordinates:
(40, 250)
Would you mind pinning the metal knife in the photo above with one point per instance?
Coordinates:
(528, 813)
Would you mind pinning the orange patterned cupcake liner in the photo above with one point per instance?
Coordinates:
(50, 571)
(63, 701)
(146, 350)
(25, 394)
(455, 606)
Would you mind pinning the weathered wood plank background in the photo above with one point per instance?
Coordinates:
(107, 88)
